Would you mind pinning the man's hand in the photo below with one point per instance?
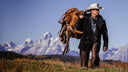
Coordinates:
(105, 48)
(81, 16)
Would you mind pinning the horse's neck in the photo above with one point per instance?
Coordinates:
(79, 12)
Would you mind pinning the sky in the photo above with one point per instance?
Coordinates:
(22, 19)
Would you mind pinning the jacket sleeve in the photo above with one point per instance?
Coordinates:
(79, 26)
(105, 35)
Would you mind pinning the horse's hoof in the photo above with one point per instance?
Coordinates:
(63, 39)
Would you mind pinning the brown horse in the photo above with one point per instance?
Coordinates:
(68, 28)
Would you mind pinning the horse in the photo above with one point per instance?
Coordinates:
(68, 28)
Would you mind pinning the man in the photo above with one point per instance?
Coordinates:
(93, 26)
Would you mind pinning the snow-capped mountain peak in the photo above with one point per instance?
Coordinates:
(47, 35)
(28, 41)
(11, 44)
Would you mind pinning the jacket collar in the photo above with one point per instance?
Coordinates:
(99, 17)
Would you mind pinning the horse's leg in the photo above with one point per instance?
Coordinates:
(67, 42)
(61, 36)
(62, 30)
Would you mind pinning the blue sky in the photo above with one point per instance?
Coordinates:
(22, 19)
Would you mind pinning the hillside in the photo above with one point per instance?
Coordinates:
(53, 63)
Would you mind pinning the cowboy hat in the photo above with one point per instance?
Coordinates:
(93, 6)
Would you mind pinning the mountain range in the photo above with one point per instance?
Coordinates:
(48, 45)
(118, 53)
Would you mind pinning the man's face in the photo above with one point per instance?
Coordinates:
(95, 12)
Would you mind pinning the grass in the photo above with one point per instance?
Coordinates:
(12, 62)
(49, 65)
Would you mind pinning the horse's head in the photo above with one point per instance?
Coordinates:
(80, 12)
(71, 10)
